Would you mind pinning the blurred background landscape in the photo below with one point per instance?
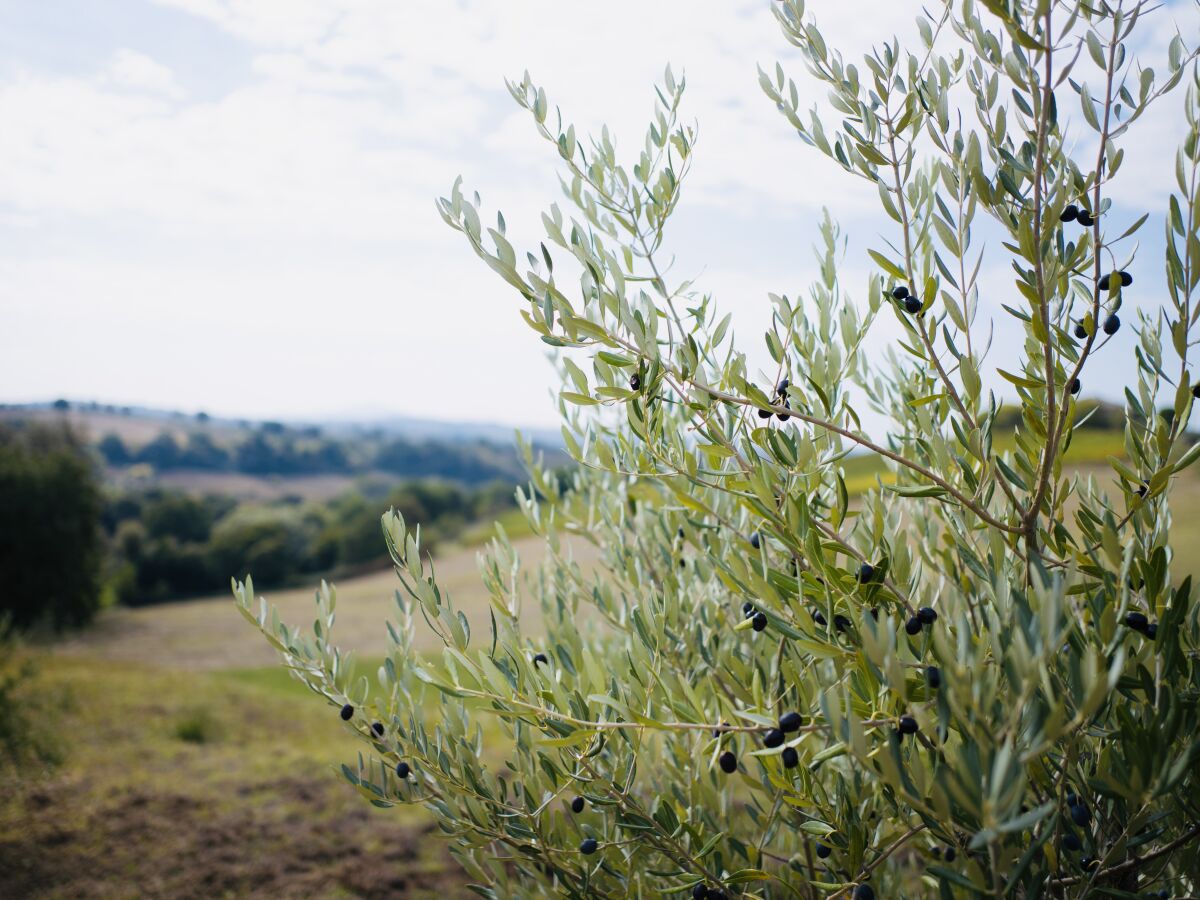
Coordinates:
(150, 744)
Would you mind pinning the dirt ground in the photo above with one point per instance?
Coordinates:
(141, 843)
(182, 785)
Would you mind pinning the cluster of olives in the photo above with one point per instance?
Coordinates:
(782, 400)
(758, 619)
(925, 616)
(1072, 213)
(788, 723)
(912, 304)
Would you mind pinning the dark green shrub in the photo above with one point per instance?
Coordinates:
(271, 540)
(50, 542)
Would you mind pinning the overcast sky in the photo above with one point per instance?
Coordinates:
(228, 205)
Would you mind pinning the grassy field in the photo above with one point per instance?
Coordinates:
(209, 634)
(178, 784)
(193, 765)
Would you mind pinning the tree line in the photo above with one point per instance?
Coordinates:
(166, 544)
(282, 451)
(69, 543)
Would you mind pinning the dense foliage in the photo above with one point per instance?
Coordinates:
(166, 544)
(50, 543)
(982, 677)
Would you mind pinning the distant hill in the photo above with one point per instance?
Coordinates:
(177, 447)
(137, 422)
(433, 429)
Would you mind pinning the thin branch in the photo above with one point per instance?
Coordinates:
(1132, 864)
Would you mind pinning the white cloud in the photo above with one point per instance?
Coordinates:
(130, 69)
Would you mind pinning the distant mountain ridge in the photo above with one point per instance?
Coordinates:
(389, 424)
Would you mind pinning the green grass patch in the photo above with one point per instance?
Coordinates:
(513, 520)
(279, 680)
(864, 471)
(197, 726)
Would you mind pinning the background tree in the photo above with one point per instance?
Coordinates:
(977, 678)
(50, 545)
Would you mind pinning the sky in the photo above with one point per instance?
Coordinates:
(228, 205)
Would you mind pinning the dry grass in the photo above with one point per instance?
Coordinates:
(260, 488)
(209, 634)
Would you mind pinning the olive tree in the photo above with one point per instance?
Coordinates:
(813, 660)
